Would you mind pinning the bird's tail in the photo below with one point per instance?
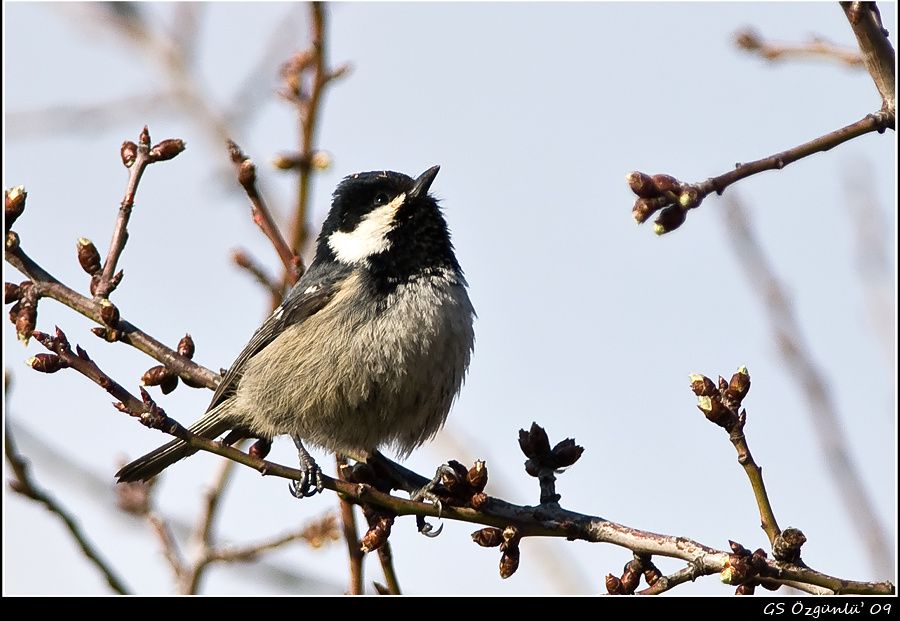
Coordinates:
(211, 425)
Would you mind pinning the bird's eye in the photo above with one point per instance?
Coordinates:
(382, 199)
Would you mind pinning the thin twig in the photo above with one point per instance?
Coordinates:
(877, 51)
(46, 285)
(171, 552)
(246, 171)
(825, 419)
(245, 261)
(674, 198)
(25, 485)
(351, 536)
(816, 47)
(386, 557)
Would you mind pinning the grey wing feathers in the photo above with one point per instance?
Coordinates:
(308, 296)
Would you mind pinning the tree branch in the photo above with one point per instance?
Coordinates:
(877, 51)
(24, 485)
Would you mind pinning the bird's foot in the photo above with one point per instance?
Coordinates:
(311, 483)
(429, 493)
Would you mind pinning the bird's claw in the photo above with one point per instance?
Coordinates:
(311, 482)
(428, 493)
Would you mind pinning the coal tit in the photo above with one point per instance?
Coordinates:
(368, 349)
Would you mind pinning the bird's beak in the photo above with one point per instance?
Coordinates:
(421, 185)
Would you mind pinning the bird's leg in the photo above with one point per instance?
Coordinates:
(311, 482)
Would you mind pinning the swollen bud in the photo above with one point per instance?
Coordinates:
(641, 184)
(247, 173)
(739, 385)
(128, 153)
(88, 257)
(702, 385)
(46, 363)
(669, 219)
(186, 346)
(488, 537)
(11, 292)
(109, 313)
(15, 204)
(477, 476)
(167, 149)
(666, 183)
(646, 207)
(509, 562)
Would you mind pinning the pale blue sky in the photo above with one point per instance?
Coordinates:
(587, 323)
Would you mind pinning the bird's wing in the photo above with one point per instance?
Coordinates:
(309, 296)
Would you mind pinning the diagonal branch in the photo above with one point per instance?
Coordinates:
(877, 51)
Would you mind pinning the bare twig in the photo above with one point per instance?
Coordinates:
(674, 198)
(877, 51)
(721, 404)
(749, 40)
(308, 104)
(45, 285)
(825, 418)
(171, 551)
(354, 551)
(246, 170)
(136, 158)
(24, 484)
(386, 557)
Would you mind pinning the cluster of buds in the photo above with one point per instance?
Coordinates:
(640, 565)
(89, 260)
(165, 378)
(461, 486)
(543, 462)
(787, 545)
(23, 312)
(380, 523)
(744, 568)
(507, 539)
(665, 194)
(160, 152)
(721, 402)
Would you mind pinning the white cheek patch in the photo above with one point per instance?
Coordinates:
(370, 235)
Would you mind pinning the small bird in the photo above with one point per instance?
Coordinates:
(370, 347)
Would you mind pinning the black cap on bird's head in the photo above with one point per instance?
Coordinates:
(388, 222)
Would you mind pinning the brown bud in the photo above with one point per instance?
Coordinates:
(247, 173)
(666, 183)
(669, 219)
(646, 207)
(787, 545)
(702, 385)
(15, 205)
(167, 149)
(566, 453)
(186, 346)
(154, 376)
(88, 257)
(479, 500)
(144, 138)
(283, 161)
(115, 280)
(739, 385)
(320, 160)
(614, 585)
(378, 533)
(192, 383)
(738, 548)
(169, 383)
(25, 322)
(510, 536)
(641, 184)
(488, 537)
(747, 39)
(14, 312)
(12, 240)
(689, 198)
(11, 292)
(509, 562)
(534, 442)
(128, 153)
(745, 589)
(477, 476)
(715, 411)
(631, 578)
(652, 574)
(46, 363)
(109, 335)
(109, 313)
